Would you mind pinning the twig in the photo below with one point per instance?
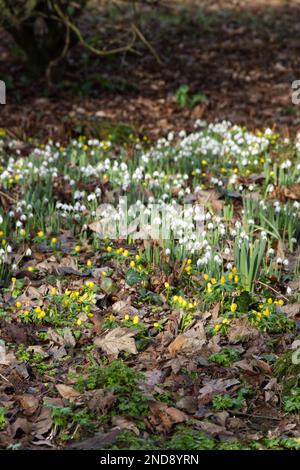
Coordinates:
(147, 43)
(88, 46)
(274, 290)
(4, 378)
(239, 413)
(60, 57)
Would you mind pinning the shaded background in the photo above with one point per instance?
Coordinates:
(240, 56)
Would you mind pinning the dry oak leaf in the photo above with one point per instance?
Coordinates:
(167, 415)
(29, 403)
(241, 330)
(191, 340)
(67, 392)
(117, 340)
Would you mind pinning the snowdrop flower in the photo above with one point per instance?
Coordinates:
(279, 260)
(285, 262)
(28, 252)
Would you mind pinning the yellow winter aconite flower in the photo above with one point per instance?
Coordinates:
(213, 281)
(104, 273)
(89, 263)
(230, 276)
(37, 310)
(225, 321)
(205, 277)
(209, 288)
(126, 253)
(90, 284)
(42, 314)
(77, 248)
(217, 328)
(23, 233)
(25, 313)
(236, 278)
(53, 240)
(79, 322)
(167, 285)
(18, 304)
(156, 325)
(266, 312)
(53, 291)
(222, 280)
(30, 269)
(136, 320)
(126, 317)
(234, 270)
(137, 257)
(40, 234)
(109, 249)
(233, 307)
(132, 264)
(270, 301)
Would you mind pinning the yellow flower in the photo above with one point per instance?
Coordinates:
(40, 234)
(77, 248)
(280, 302)
(204, 162)
(53, 240)
(236, 278)
(191, 305)
(90, 315)
(137, 257)
(235, 171)
(42, 314)
(266, 312)
(189, 261)
(23, 233)
(104, 273)
(175, 298)
(89, 263)
(205, 277)
(209, 289)
(217, 328)
(37, 309)
(233, 307)
(230, 276)
(53, 291)
(126, 253)
(270, 301)
(126, 317)
(78, 322)
(132, 264)
(167, 285)
(225, 321)
(156, 325)
(222, 280)
(30, 269)
(234, 270)
(109, 249)
(136, 320)
(89, 284)
(13, 280)
(18, 304)
(213, 281)
(25, 313)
